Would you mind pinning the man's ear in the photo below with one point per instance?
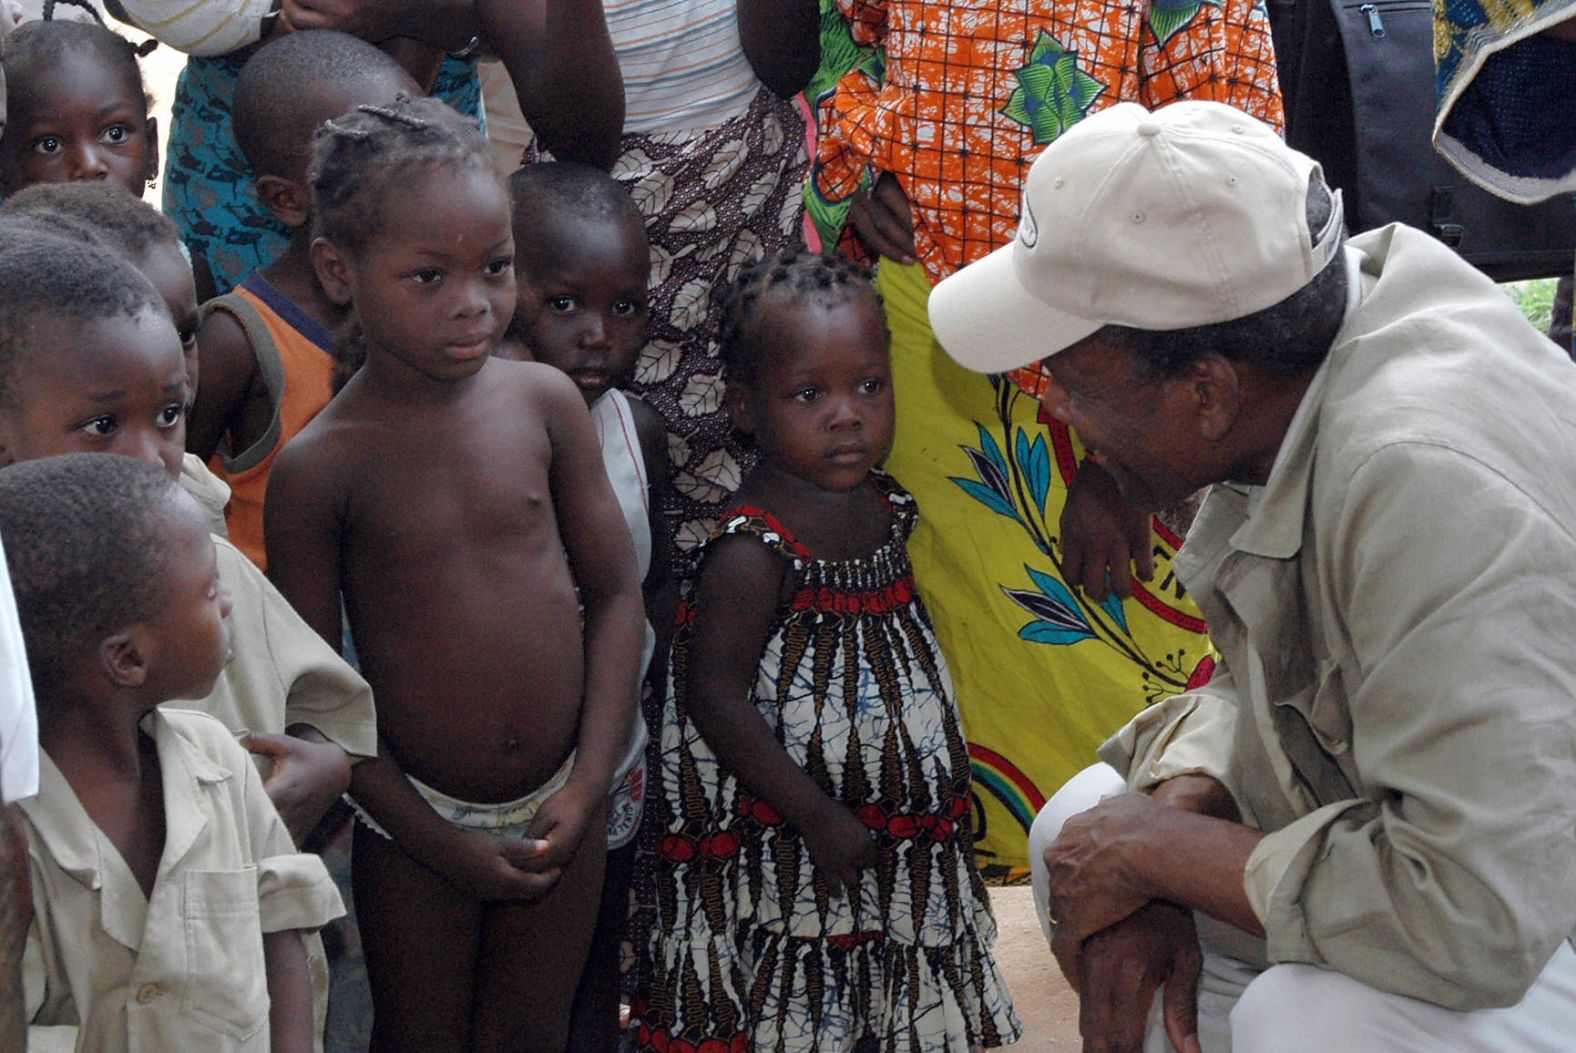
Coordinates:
(152, 135)
(737, 397)
(1215, 386)
(123, 658)
(286, 200)
(333, 269)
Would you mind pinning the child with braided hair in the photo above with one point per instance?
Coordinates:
(815, 882)
(78, 109)
(459, 503)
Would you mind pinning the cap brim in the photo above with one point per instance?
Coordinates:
(988, 322)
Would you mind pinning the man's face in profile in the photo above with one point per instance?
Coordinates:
(1134, 426)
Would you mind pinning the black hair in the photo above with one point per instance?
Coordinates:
(34, 45)
(87, 543)
(359, 157)
(795, 276)
(1287, 339)
(44, 275)
(123, 222)
(288, 89)
(568, 188)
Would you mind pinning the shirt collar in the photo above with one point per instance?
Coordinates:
(76, 843)
(1275, 511)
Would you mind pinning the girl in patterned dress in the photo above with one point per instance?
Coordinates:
(810, 805)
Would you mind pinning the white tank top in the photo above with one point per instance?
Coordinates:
(626, 470)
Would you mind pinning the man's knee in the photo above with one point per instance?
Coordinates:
(1080, 793)
(1293, 1008)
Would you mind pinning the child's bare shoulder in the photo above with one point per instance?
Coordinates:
(540, 381)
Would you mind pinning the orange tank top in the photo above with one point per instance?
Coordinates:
(296, 357)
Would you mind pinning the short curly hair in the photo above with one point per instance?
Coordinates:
(287, 90)
(87, 543)
(48, 275)
(795, 276)
(122, 221)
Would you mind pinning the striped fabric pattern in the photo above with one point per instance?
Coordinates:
(683, 65)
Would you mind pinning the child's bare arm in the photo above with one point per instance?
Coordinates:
(301, 528)
(227, 366)
(560, 58)
(603, 559)
(735, 602)
(289, 992)
(661, 589)
(782, 40)
(448, 24)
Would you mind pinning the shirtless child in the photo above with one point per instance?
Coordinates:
(458, 502)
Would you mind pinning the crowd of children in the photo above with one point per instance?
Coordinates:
(744, 762)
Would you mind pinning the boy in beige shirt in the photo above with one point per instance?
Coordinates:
(170, 902)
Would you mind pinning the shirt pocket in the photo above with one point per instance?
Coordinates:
(226, 983)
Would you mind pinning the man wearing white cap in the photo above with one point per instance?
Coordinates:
(1367, 820)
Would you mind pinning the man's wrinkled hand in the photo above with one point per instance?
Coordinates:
(1092, 881)
(1121, 967)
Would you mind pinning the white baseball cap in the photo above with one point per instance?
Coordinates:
(1189, 215)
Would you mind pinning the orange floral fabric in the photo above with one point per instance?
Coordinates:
(974, 89)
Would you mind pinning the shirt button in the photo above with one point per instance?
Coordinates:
(147, 993)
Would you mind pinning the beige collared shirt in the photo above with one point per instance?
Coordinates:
(1396, 611)
(183, 968)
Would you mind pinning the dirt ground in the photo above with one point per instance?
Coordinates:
(1049, 1007)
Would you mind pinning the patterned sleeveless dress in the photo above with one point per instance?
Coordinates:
(746, 953)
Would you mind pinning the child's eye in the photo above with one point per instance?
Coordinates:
(427, 276)
(871, 385)
(626, 308)
(562, 304)
(47, 144)
(115, 134)
(101, 427)
(188, 335)
(806, 394)
(171, 415)
(499, 267)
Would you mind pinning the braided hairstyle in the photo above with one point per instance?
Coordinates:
(789, 276)
(34, 45)
(357, 159)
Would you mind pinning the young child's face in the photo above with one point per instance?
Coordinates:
(821, 405)
(166, 267)
(108, 385)
(434, 288)
(582, 297)
(79, 119)
(192, 631)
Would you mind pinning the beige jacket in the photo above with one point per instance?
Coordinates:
(181, 970)
(1396, 610)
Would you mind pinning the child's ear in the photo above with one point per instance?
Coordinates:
(152, 134)
(333, 270)
(738, 399)
(123, 658)
(286, 200)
